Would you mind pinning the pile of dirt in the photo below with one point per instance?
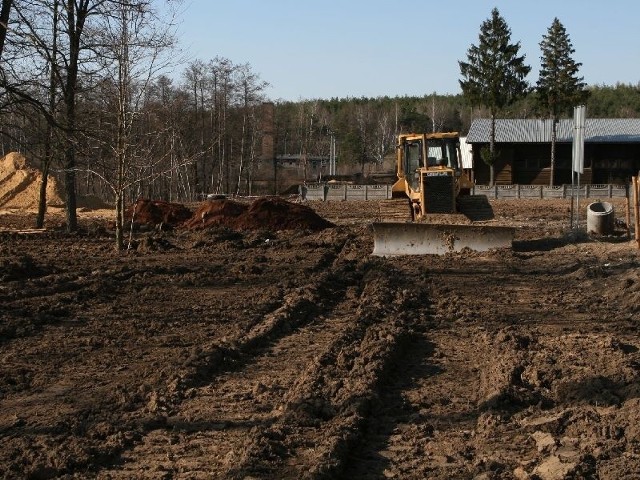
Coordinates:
(20, 184)
(157, 214)
(271, 213)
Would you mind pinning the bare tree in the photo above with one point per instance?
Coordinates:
(364, 124)
(197, 79)
(49, 138)
(223, 86)
(251, 95)
(133, 45)
(32, 48)
(384, 135)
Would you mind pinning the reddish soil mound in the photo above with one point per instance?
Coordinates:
(265, 213)
(157, 212)
(217, 212)
(278, 214)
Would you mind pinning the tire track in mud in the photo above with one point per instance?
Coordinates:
(323, 412)
(414, 428)
(142, 404)
(457, 406)
(234, 386)
(430, 402)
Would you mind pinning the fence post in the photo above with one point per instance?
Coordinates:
(636, 214)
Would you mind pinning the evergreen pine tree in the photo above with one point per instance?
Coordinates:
(558, 88)
(494, 74)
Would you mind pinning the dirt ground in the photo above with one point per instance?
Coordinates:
(295, 354)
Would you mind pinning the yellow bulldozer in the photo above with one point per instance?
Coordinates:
(431, 177)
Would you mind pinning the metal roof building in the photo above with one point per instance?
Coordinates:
(602, 130)
(612, 150)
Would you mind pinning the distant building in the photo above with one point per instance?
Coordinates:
(611, 152)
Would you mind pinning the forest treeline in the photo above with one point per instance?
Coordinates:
(202, 133)
(92, 92)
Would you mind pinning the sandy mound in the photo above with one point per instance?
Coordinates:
(264, 213)
(20, 187)
(20, 184)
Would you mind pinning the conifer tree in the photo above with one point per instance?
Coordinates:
(494, 74)
(558, 88)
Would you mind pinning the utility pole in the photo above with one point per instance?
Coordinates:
(579, 114)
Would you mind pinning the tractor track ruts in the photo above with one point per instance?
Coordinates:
(236, 422)
(502, 364)
(144, 410)
(323, 413)
(220, 373)
(414, 410)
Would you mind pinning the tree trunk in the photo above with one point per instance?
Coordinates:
(42, 199)
(492, 149)
(76, 16)
(48, 149)
(553, 151)
(70, 159)
(119, 222)
(70, 189)
(4, 21)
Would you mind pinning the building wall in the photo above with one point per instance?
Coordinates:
(530, 164)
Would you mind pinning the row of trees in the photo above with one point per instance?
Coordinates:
(84, 91)
(494, 75)
(83, 94)
(73, 73)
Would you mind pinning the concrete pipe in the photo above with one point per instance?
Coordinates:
(600, 218)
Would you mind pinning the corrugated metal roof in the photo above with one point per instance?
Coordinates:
(601, 130)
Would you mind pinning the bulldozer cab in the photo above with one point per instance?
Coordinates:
(422, 153)
(443, 152)
(412, 162)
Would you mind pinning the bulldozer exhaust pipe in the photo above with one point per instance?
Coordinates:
(391, 239)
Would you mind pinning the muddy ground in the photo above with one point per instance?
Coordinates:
(295, 354)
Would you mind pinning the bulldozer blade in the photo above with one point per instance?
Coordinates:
(391, 239)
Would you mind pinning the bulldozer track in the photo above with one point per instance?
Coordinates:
(395, 210)
(324, 411)
(475, 207)
(235, 419)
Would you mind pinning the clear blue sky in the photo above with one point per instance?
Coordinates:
(308, 49)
